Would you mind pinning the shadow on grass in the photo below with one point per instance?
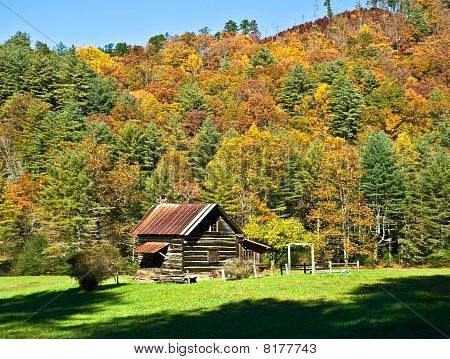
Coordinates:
(370, 313)
(48, 307)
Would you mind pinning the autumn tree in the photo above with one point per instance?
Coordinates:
(258, 171)
(19, 213)
(341, 218)
(278, 233)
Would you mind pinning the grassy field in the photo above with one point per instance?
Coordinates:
(363, 304)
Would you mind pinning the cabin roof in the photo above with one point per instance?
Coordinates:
(151, 247)
(177, 219)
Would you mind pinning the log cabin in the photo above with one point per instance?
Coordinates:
(174, 239)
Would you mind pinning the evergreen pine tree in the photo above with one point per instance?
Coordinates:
(101, 96)
(262, 57)
(230, 26)
(245, 26)
(329, 71)
(428, 215)
(14, 61)
(383, 184)
(294, 195)
(327, 4)
(72, 210)
(151, 149)
(207, 142)
(100, 132)
(47, 132)
(295, 86)
(75, 79)
(254, 29)
(417, 19)
(345, 104)
(160, 185)
(142, 147)
(192, 98)
(39, 77)
(129, 143)
(219, 187)
(370, 82)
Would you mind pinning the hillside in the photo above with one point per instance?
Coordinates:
(338, 128)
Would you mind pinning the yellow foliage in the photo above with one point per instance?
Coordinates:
(406, 150)
(167, 110)
(149, 103)
(314, 114)
(175, 53)
(192, 65)
(100, 61)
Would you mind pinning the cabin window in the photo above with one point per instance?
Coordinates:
(213, 226)
(213, 256)
(248, 254)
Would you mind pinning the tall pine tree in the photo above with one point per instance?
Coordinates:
(384, 187)
(72, 210)
(206, 144)
(345, 104)
(295, 86)
(428, 217)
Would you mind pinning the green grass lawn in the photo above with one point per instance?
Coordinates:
(356, 305)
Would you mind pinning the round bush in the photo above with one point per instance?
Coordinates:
(237, 268)
(92, 266)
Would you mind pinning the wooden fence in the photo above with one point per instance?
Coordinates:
(329, 267)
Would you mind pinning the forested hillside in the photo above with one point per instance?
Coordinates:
(335, 131)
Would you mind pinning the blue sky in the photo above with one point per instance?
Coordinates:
(98, 22)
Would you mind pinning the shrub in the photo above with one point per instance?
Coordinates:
(31, 261)
(237, 268)
(92, 266)
(369, 261)
(439, 259)
(55, 260)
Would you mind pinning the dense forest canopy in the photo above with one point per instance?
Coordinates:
(335, 131)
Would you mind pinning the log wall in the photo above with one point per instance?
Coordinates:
(197, 245)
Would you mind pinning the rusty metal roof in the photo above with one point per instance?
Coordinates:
(172, 219)
(151, 247)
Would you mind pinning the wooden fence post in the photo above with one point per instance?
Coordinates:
(357, 264)
(287, 269)
(254, 271)
(188, 277)
(289, 258)
(304, 267)
(330, 266)
(223, 274)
